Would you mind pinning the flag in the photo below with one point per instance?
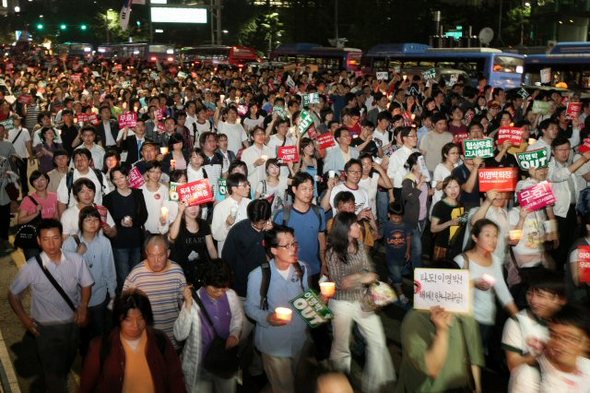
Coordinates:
(125, 14)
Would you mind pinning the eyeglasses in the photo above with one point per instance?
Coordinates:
(290, 246)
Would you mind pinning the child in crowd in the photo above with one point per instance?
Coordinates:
(398, 245)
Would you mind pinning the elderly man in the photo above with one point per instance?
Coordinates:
(162, 281)
(54, 317)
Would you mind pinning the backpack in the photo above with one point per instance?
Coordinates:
(70, 182)
(287, 213)
(265, 281)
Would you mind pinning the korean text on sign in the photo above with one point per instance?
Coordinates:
(196, 192)
(532, 159)
(450, 289)
(483, 148)
(499, 179)
(536, 197)
(288, 153)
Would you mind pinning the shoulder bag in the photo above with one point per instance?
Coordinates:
(26, 234)
(55, 284)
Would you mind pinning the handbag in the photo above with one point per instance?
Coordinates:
(26, 234)
(218, 360)
(377, 295)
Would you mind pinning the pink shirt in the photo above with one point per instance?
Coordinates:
(49, 205)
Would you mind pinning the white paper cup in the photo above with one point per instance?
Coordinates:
(284, 313)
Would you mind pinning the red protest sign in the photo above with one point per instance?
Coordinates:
(584, 264)
(499, 179)
(88, 118)
(196, 192)
(512, 134)
(136, 179)
(536, 197)
(128, 119)
(288, 153)
(573, 110)
(459, 138)
(585, 146)
(326, 141)
(26, 99)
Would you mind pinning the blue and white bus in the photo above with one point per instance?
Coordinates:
(569, 63)
(322, 57)
(501, 69)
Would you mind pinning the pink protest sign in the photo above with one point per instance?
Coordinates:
(573, 110)
(196, 192)
(136, 179)
(584, 264)
(288, 153)
(585, 146)
(512, 134)
(536, 197)
(128, 119)
(326, 141)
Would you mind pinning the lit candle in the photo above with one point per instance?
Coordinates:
(264, 157)
(164, 212)
(515, 234)
(489, 279)
(532, 141)
(163, 150)
(328, 288)
(283, 313)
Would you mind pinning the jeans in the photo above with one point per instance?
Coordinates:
(417, 244)
(57, 346)
(378, 370)
(125, 260)
(394, 267)
(382, 201)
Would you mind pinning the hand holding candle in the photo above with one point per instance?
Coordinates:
(283, 314)
(163, 150)
(164, 213)
(328, 289)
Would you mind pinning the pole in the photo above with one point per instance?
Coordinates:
(149, 4)
(219, 5)
(212, 16)
(500, 22)
(336, 23)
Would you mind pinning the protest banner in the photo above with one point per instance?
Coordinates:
(541, 107)
(89, 118)
(584, 146)
(182, 75)
(532, 159)
(128, 119)
(397, 69)
(221, 192)
(447, 288)
(459, 138)
(584, 264)
(523, 93)
(326, 141)
(310, 99)
(573, 110)
(173, 192)
(453, 79)
(498, 179)
(429, 74)
(536, 197)
(306, 120)
(382, 75)
(288, 153)
(136, 179)
(311, 308)
(512, 134)
(483, 148)
(195, 192)
(545, 75)
(280, 111)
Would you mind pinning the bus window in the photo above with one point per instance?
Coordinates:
(508, 64)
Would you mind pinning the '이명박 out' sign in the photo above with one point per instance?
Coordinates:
(512, 134)
(128, 119)
(326, 141)
(483, 148)
(532, 159)
(310, 307)
(136, 179)
(195, 192)
(498, 179)
(584, 264)
(536, 197)
(288, 153)
(306, 120)
(447, 288)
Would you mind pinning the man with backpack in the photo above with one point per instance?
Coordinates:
(82, 161)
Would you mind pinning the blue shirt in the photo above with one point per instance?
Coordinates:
(279, 341)
(396, 240)
(307, 226)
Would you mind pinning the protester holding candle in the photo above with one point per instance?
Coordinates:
(351, 270)
(156, 198)
(278, 339)
(174, 157)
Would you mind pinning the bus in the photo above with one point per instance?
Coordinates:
(501, 69)
(73, 50)
(324, 58)
(215, 55)
(165, 54)
(569, 62)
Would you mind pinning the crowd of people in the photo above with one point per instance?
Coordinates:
(380, 185)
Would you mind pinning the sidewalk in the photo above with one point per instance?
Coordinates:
(8, 380)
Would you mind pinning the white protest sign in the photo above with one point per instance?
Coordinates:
(382, 75)
(453, 79)
(546, 75)
(447, 288)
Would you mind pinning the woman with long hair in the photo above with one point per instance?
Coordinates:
(450, 160)
(350, 268)
(448, 221)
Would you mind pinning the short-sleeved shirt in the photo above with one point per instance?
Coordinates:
(524, 333)
(445, 212)
(48, 205)
(47, 305)
(469, 199)
(307, 226)
(20, 143)
(548, 379)
(70, 219)
(396, 240)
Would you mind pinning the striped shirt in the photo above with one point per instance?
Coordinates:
(164, 289)
(357, 263)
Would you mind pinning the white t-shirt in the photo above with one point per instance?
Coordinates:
(235, 135)
(20, 143)
(548, 379)
(154, 201)
(361, 198)
(524, 334)
(70, 220)
(370, 185)
(62, 188)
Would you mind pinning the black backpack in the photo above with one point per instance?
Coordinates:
(265, 282)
